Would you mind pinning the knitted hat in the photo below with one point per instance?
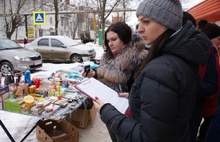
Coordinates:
(202, 24)
(166, 12)
(211, 30)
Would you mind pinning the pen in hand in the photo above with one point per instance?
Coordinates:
(120, 87)
(121, 94)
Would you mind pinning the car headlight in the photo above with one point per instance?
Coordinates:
(20, 58)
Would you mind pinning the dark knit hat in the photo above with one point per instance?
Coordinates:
(166, 12)
(211, 30)
(202, 24)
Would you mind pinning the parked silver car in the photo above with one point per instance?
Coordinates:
(15, 58)
(61, 48)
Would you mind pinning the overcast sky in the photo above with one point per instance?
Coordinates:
(191, 3)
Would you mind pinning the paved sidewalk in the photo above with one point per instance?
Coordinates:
(95, 132)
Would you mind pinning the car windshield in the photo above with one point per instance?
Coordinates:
(71, 42)
(8, 44)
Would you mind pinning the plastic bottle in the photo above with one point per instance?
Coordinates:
(27, 77)
(58, 92)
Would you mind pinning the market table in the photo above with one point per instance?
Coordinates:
(62, 112)
(18, 126)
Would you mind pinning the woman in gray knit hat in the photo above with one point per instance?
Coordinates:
(163, 95)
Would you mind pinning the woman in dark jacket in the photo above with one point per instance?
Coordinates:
(162, 97)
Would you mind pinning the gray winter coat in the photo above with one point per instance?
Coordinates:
(162, 97)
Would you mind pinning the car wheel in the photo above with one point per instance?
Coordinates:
(76, 58)
(6, 68)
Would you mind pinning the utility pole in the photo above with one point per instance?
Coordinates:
(94, 25)
(26, 29)
(4, 7)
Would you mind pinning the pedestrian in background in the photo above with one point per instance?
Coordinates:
(162, 97)
(202, 24)
(209, 103)
(25, 41)
(208, 85)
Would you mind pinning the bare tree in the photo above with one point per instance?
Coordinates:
(18, 14)
(106, 7)
(56, 8)
(127, 4)
(102, 6)
(75, 26)
(13, 22)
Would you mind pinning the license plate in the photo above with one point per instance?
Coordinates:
(37, 62)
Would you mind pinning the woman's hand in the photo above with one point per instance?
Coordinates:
(124, 94)
(90, 74)
(98, 104)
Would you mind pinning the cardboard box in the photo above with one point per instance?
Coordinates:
(13, 105)
(80, 117)
(54, 131)
(16, 106)
(47, 114)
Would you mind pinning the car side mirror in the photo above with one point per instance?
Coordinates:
(64, 46)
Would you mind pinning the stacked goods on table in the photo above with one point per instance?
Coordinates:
(39, 107)
(41, 96)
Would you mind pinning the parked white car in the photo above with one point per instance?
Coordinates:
(61, 48)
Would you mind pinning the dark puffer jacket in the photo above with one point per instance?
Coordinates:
(162, 97)
(121, 69)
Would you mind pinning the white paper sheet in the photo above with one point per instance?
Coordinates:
(94, 88)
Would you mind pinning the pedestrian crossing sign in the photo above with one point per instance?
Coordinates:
(39, 17)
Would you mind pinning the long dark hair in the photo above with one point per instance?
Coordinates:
(155, 49)
(122, 29)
